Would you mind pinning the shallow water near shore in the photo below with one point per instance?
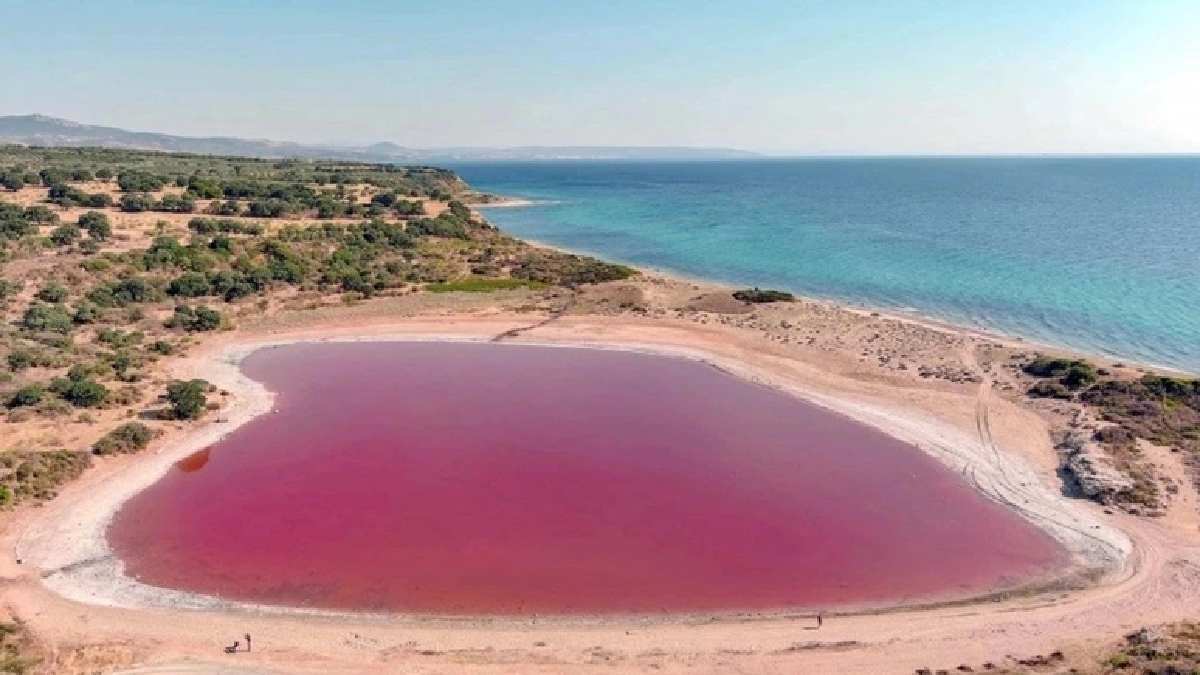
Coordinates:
(1096, 254)
(499, 479)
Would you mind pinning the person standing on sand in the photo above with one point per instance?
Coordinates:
(820, 621)
(248, 642)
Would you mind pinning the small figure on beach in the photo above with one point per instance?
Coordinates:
(248, 642)
(820, 620)
(233, 647)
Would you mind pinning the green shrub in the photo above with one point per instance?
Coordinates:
(1174, 388)
(40, 215)
(124, 292)
(269, 208)
(52, 292)
(119, 339)
(195, 319)
(65, 235)
(223, 226)
(15, 222)
(139, 181)
(162, 347)
(79, 389)
(97, 225)
(136, 203)
(97, 201)
(758, 295)
(175, 204)
(1079, 375)
(189, 285)
(1049, 390)
(66, 196)
(51, 318)
(127, 438)
(445, 225)
(1072, 373)
(12, 180)
(405, 207)
(28, 395)
(459, 210)
(21, 359)
(204, 188)
(228, 207)
(85, 312)
(232, 285)
(384, 199)
(187, 399)
(1044, 366)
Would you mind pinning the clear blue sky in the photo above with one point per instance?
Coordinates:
(786, 76)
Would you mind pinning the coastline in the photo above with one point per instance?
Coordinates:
(915, 316)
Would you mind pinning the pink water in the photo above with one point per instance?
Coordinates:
(471, 478)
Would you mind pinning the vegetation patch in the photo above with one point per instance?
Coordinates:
(15, 645)
(1162, 410)
(1074, 374)
(127, 438)
(37, 475)
(1165, 650)
(482, 285)
(187, 398)
(195, 319)
(569, 270)
(758, 295)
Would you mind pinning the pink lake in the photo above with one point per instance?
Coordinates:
(458, 478)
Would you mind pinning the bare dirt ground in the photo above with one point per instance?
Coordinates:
(949, 392)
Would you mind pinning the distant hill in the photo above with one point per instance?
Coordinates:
(54, 132)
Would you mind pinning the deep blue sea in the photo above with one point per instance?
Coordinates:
(1098, 254)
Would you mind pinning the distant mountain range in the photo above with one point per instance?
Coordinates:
(51, 131)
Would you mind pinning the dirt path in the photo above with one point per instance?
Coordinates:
(554, 316)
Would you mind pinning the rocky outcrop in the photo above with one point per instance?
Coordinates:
(1096, 478)
(1101, 477)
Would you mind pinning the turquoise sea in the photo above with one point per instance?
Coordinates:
(1098, 254)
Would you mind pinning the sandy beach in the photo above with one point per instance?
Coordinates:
(71, 591)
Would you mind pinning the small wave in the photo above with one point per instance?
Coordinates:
(518, 203)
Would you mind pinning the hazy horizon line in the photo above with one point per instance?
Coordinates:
(762, 154)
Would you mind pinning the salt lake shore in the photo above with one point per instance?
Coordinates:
(951, 393)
